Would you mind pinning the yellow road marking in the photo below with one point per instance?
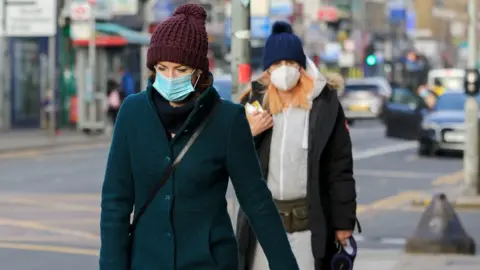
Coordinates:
(73, 221)
(449, 179)
(49, 248)
(77, 147)
(393, 174)
(20, 154)
(28, 224)
(395, 201)
(54, 196)
(361, 208)
(54, 149)
(53, 205)
(42, 239)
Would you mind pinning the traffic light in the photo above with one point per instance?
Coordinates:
(472, 82)
(371, 60)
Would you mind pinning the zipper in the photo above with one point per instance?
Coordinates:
(282, 151)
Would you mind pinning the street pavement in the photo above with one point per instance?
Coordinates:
(49, 201)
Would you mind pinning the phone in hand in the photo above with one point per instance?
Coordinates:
(253, 107)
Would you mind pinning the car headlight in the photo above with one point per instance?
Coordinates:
(429, 125)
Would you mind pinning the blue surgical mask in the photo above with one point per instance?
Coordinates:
(174, 89)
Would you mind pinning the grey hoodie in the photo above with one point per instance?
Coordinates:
(287, 174)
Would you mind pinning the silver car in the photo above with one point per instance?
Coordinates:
(365, 98)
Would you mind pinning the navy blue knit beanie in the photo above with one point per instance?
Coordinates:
(283, 44)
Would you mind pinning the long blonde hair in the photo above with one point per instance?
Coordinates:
(274, 104)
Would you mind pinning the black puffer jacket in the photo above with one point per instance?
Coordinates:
(331, 187)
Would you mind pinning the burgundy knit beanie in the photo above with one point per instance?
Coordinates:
(182, 39)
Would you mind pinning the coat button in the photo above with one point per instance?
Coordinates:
(167, 159)
(168, 235)
(167, 197)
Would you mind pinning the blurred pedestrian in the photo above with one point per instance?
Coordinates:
(180, 115)
(305, 151)
(127, 84)
(114, 99)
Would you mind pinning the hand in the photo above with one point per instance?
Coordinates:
(259, 122)
(342, 236)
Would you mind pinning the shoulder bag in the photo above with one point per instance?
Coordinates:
(167, 173)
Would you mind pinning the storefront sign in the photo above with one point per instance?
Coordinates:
(102, 8)
(125, 7)
(31, 18)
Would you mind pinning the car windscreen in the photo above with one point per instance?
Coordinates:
(450, 102)
(362, 87)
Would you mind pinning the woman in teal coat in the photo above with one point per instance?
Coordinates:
(186, 226)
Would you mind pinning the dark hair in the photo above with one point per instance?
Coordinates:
(437, 82)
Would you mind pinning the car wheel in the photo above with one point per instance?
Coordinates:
(388, 133)
(425, 150)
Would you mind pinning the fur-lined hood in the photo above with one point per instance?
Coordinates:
(317, 76)
(334, 81)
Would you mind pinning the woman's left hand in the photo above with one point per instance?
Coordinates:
(342, 236)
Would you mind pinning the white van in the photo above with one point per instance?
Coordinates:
(451, 78)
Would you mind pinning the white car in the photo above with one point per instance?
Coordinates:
(451, 78)
(365, 98)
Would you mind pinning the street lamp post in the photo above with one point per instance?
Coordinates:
(471, 160)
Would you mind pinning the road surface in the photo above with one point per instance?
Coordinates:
(49, 199)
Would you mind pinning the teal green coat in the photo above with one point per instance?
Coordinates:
(187, 226)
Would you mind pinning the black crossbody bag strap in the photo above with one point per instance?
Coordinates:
(168, 172)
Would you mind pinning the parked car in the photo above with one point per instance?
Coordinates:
(365, 98)
(404, 113)
(442, 128)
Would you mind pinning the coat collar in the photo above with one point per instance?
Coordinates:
(204, 104)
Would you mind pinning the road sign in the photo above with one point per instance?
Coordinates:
(260, 27)
(327, 14)
(31, 18)
(281, 8)
(80, 11)
(411, 23)
(125, 7)
(102, 9)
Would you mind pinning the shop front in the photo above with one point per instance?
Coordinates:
(29, 80)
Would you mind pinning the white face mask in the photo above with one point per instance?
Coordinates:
(285, 77)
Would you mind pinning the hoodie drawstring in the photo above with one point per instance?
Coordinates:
(305, 131)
